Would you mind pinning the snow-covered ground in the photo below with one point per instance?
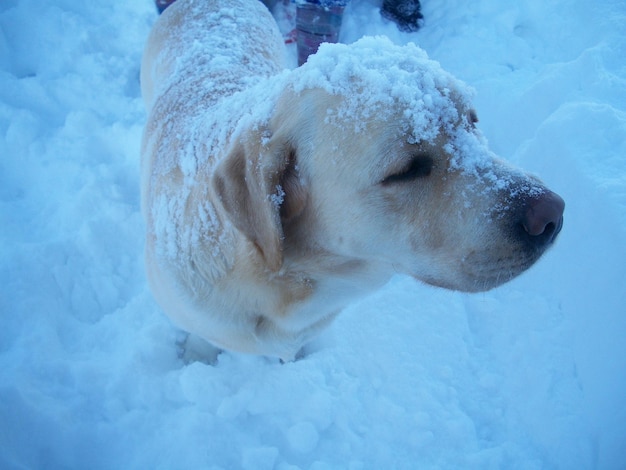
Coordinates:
(531, 375)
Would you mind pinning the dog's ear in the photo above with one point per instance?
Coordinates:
(259, 187)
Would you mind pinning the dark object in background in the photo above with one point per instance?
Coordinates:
(317, 22)
(405, 13)
(162, 4)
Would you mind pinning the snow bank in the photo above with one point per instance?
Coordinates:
(530, 375)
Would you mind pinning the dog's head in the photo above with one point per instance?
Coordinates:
(372, 156)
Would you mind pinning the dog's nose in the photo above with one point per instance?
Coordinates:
(543, 218)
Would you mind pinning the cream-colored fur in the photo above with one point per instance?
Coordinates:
(269, 208)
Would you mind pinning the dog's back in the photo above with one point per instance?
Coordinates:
(198, 53)
(199, 47)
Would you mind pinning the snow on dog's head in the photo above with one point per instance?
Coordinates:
(386, 148)
(374, 78)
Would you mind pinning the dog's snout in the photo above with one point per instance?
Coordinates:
(542, 218)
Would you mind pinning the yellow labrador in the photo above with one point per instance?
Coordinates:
(273, 198)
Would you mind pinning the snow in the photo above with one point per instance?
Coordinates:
(530, 375)
(373, 72)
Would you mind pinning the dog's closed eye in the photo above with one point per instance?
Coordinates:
(420, 166)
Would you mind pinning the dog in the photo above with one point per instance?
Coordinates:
(273, 198)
